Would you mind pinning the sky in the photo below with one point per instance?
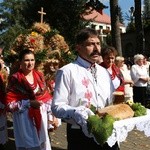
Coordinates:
(124, 4)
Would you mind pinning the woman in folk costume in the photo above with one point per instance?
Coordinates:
(3, 120)
(29, 100)
(109, 54)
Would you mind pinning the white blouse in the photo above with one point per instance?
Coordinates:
(138, 72)
(128, 89)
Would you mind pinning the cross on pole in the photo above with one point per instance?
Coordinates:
(42, 13)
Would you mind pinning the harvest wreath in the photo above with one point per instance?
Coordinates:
(100, 125)
(50, 48)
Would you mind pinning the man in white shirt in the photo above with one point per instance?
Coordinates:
(78, 86)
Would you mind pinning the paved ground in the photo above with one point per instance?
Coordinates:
(135, 141)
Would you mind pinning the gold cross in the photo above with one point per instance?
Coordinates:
(42, 13)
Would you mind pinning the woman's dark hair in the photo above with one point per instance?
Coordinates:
(84, 34)
(24, 52)
(108, 50)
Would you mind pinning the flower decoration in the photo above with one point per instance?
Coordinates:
(85, 82)
(34, 41)
(129, 102)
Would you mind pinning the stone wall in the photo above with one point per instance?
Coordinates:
(129, 44)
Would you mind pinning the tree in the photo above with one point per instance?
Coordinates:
(13, 21)
(121, 19)
(116, 38)
(147, 9)
(62, 15)
(146, 15)
(138, 27)
(130, 18)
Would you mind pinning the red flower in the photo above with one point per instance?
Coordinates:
(85, 82)
(32, 40)
(88, 95)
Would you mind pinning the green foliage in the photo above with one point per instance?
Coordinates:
(11, 12)
(139, 110)
(93, 109)
(41, 55)
(109, 40)
(8, 37)
(69, 59)
(101, 128)
(48, 35)
(93, 122)
(10, 58)
(121, 19)
(13, 21)
(130, 27)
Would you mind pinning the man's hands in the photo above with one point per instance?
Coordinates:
(81, 114)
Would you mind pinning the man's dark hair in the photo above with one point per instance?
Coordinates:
(84, 34)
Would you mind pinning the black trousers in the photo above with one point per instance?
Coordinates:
(78, 141)
(139, 94)
(2, 147)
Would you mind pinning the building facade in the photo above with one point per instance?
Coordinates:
(102, 23)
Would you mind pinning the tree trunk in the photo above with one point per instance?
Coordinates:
(115, 26)
(138, 27)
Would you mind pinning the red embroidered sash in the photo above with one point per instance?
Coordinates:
(116, 72)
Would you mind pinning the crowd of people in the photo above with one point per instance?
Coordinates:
(93, 79)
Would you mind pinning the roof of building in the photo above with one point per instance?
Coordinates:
(97, 17)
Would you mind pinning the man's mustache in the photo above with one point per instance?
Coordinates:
(95, 53)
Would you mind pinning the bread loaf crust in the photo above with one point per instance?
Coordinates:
(118, 111)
